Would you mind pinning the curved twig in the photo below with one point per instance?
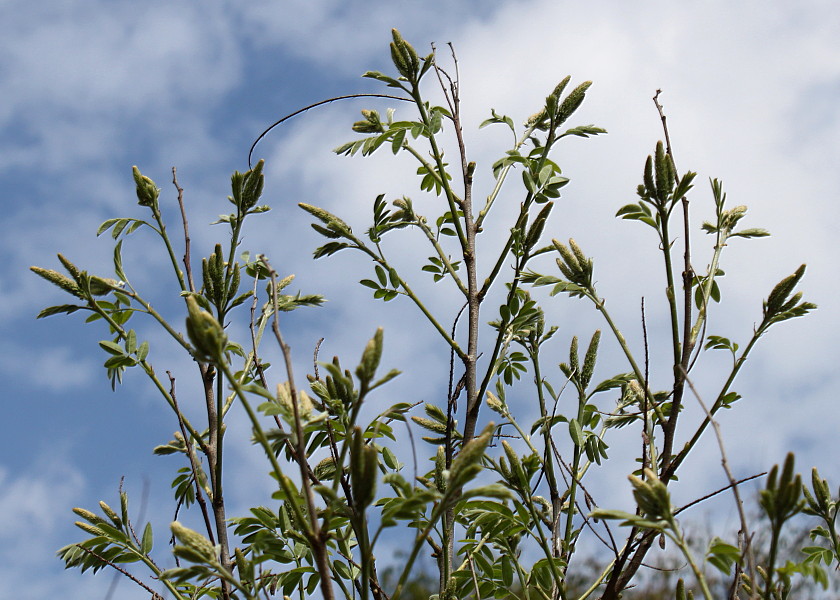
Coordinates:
(316, 105)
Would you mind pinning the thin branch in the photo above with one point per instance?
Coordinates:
(733, 484)
(316, 536)
(316, 105)
(187, 261)
(155, 595)
(194, 466)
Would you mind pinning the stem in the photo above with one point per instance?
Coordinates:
(159, 220)
(316, 537)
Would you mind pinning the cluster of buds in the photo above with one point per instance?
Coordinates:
(147, 191)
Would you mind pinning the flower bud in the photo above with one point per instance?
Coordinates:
(194, 541)
(147, 191)
(205, 332)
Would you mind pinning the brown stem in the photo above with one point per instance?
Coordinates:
(187, 262)
(316, 536)
(194, 467)
(208, 375)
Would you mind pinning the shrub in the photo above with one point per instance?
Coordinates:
(504, 508)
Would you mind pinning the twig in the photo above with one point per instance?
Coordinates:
(716, 492)
(199, 493)
(187, 262)
(664, 126)
(316, 105)
(646, 388)
(733, 484)
(316, 537)
(155, 595)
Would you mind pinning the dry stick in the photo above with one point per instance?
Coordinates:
(187, 261)
(317, 538)
(734, 484)
(199, 492)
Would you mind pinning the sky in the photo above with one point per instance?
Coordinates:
(91, 88)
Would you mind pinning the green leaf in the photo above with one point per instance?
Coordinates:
(56, 310)
(576, 433)
(146, 544)
(112, 348)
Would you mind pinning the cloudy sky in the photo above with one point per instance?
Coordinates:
(751, 89)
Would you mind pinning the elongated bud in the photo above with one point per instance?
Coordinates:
(370, 358)
(88, 528)
(440, 470)
(363, 464)
(115, 518)
(205, 333)
(404, 56)
(589, 359)
(468, 462)
(495, 403)
(572, 102)
(62, 281)
(89, 516)
(147, 191)
(194, 541)
(515, 465)
(327, 218)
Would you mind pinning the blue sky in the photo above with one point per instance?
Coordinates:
(91, 88)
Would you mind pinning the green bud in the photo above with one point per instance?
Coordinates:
(327, 218)
(572, 102)
(663, 173)
(404, 56)
(325, 469)
(537, 118)
(652, 496)
(370, 124)
(495, 403)
(589, 359)
(468, 462)
(515, 465)
(558, 89)
(88, 528)
(205, 332)
(89, 516)
(147, 191)
(363, 465)
(115, 518)
(194, 541)
(650, 186)
(440, 469)
(574, 365)
(579, 255)
(62, 281)
(370, 358)
(431, 425)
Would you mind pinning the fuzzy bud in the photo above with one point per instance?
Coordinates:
(147, 191)
(205, 333)
(194, 541)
